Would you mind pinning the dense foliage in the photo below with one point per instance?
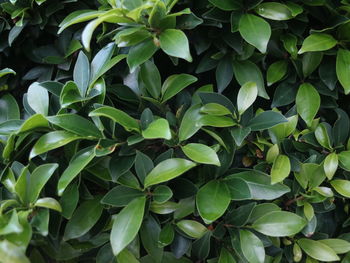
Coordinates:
(167, 131)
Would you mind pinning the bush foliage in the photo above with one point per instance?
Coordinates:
(167, 131)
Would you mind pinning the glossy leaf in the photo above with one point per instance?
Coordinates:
(308, 102)
(280, 169)
(175, 43)
(318, 250)
(201, 153)
(317, 42)
(252, 247)
(246, 96)
(343, 69)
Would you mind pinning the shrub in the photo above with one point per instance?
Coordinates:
(174, 131)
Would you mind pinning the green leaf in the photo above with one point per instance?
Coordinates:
(280, 169)
(164, 208)
(343, 69)
(81, 74)
(259, 185)
(118, 116)
(35, 121)
(239, 134)
(215, 109)
(255, 30)
(344, 160)
(125, 256)
(322, 137)
(167, 170)
(52, 140)
(330, 165)
(201, 153)
(226, 257)
(8, 108)
(279, 224)
(252, 247)
(246, 71)
(151, 78)
(338, 245)
(38, 98)
(246, 96)
(176, 83)
(192, 228)
(190, 123)
(12, 253)
(126, 225)
(76, 165)
(318, 250)
(308, 102)
(342, 187)
(226, 5)
(274, 11)
(48, 202)
(175, 43)
(140, 53)
(39, 178)
(266, 120)
(83, 219)
(121, 196)
(143, 165)
(6, 71)
(158, 129)
(76, 124)
(212, 200)
(317, 42)
(276, 72)
(78, 17)
(162, 193)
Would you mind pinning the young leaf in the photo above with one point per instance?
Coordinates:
(342, 187)
(127, 224)
(38, 99)
(158, 129)
(280, 169)
(246, 96)
(201, 153)
(317, 42)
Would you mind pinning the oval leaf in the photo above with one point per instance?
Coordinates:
(201, 153)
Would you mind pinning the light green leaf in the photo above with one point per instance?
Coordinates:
(38, 98)
(339, 246)
(343, 69)
(52, 140)
(141, 53)
(50, 203)
(318, 250)
(190, 123)
(161, 194)
(158, 129)
(78, 17)
(212, 200)
(167, 170)
(317, 42)
(279, 224)
(192, 228)
(280, 169)
(81, 73)
(274, 11)
(342, 187)
(6, 71)
(118, 116)
(330, 165)
(151, 78)
(175, 43)
(176, 83)
(276, 71)
(83, 219)
(255, 30)
(322, 137)
(246, 96)
(215, 109)
(76, 165)
(344, 160)
(252, 247)
(308, 102)
(226, 257)
(126, 225)
(12, 253)
(201, 153)
(35, 121)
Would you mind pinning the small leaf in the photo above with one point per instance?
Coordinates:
(280, 169)
(308, 102)
(246, 96)
(162, 193)
(192, 228)
(158, 129)
(317, 42)
(127, 224)
(6, 71)
(279, 224)
(252, 247)
(167, 170)
(343, 69)
(50, 203)
(201, 153)
(175, 43)
(176, 83)
(38, 99)
(255, 30)
(318, 250)
(342, 187)
(212, 200)
(276, 71)
(151, 78)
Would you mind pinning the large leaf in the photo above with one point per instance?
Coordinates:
(81, 74)
(255, 30)
(212, 200)
(120, 196)
(342, 187)
(308, 102)
(127, 224)
(38, 99)
(78, 17)
(252, 247)
(318, 250)
(120, 117)
(279, 224)
(343, 69)
(317, 42)
(280, 169)
(266, 120)
(151, 78)
(158, 129)
(274, 11)
(140, 53)
(83, 219)
(11, 253)
(176, 83)
(8, 108)
(167, 170)
(246, 96)
(175, 43)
